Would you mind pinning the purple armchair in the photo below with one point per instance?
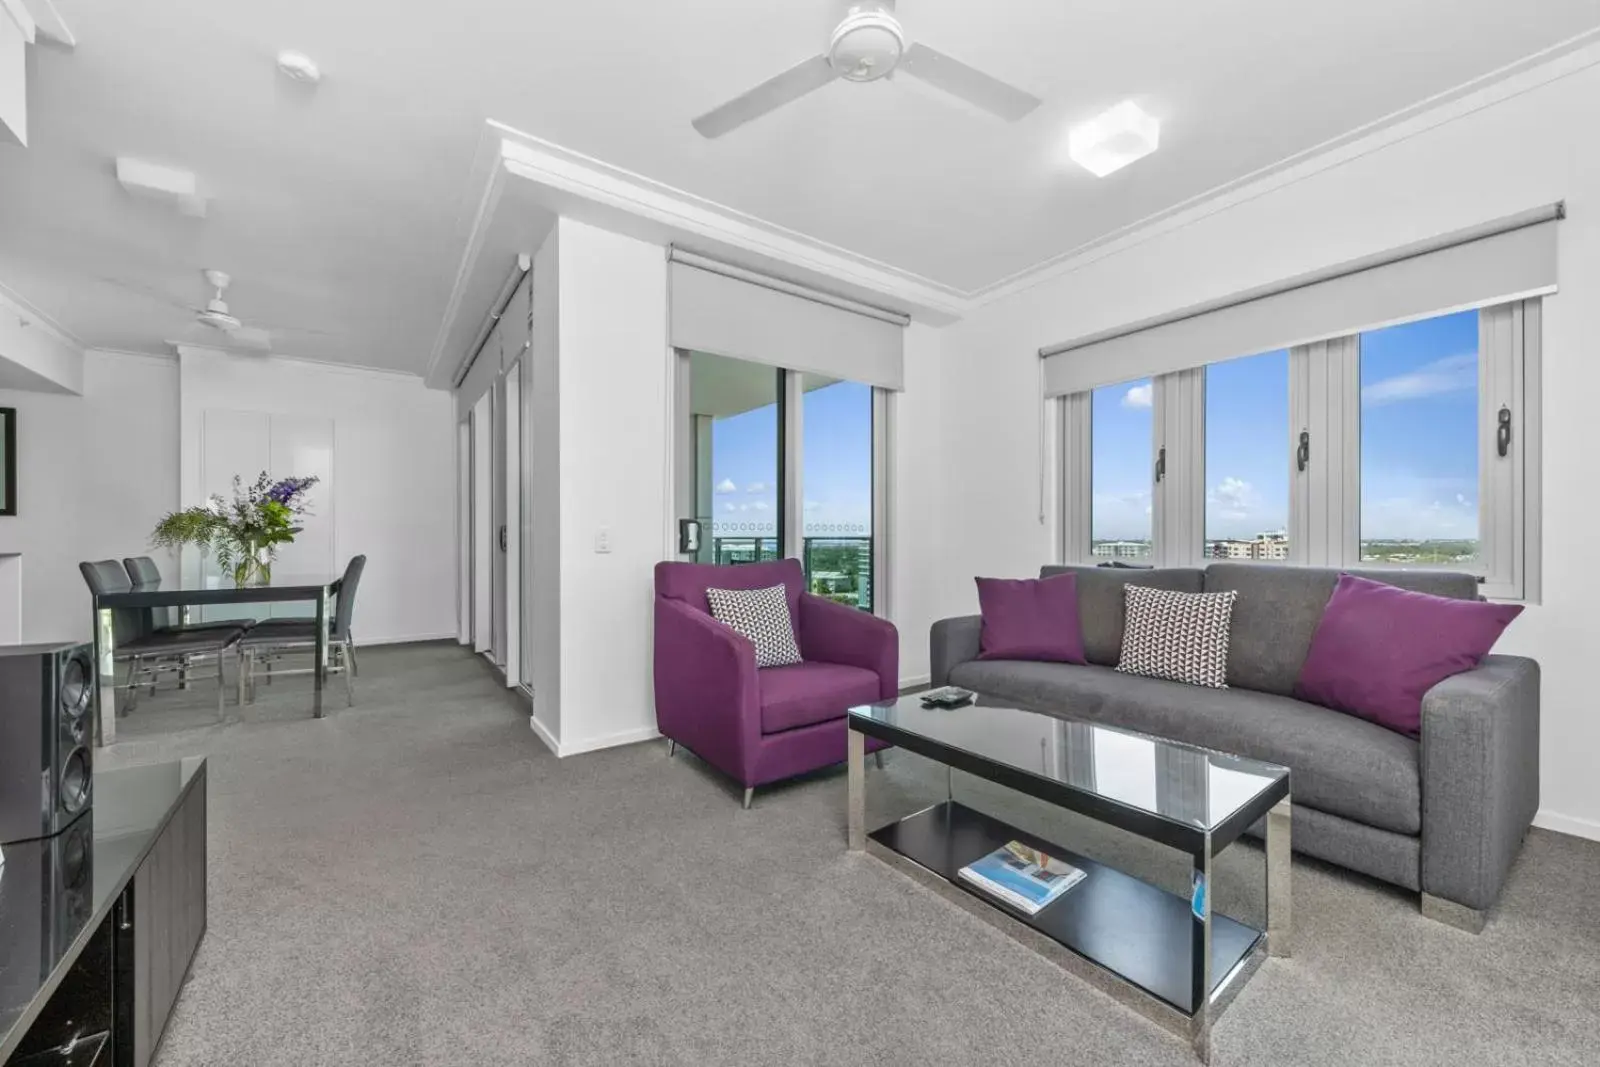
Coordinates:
(761, 726)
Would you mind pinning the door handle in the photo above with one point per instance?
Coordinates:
(502, 538)
(1302, 457)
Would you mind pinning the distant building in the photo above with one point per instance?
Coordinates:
(1269, 547)
(1121, 549)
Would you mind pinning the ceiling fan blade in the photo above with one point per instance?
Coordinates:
(791, 85)
(252, 337)
(969, 84)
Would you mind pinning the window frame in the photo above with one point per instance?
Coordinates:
(1325, 497)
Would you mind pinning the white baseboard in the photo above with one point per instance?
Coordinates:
(592, 744)
(544, 735)
(915, 680)
(1568, 824)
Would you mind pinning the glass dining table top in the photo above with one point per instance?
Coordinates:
(211, 582)
(1193, 787)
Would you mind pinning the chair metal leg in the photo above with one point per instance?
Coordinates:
(350, 652)
(239, 661)
(222, 688)
(672, 748)
(349, 684)
(749, 794)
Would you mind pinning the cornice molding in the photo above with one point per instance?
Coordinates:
(571, 172)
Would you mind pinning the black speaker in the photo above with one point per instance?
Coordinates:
(47, 702)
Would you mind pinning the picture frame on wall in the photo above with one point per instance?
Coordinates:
(8, 461)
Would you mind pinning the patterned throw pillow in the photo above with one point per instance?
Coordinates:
(762, 615)
(1179, 636)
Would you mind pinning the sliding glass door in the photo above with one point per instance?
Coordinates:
(775, 463)
(836, 471)
(736, 429)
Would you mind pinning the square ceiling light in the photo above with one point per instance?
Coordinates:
(1113, 139)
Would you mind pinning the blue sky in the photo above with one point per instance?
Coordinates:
(1419, 438)
(836, 431)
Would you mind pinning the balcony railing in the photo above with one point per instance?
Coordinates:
(839, 568)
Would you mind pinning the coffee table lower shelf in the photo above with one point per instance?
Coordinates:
(1126, 930)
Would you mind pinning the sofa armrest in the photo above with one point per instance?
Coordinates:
(1480, 777)
(836, 633)
(705, 687)
(952, 642)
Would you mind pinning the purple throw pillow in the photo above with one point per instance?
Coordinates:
(1031, 618)
(1379, 649)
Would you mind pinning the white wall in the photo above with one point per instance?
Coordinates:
(94, 474)
(1474, 161)
(916, 512)
(613, 370)
(393, 484)
(542, 581)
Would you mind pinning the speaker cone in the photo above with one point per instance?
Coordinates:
(75, 781)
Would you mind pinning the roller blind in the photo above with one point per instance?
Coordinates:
(1516, 260)
(727, 316)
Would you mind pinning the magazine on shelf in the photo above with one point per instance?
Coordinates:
(1023, 877)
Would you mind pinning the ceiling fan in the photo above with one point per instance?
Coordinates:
(216, 316)
(866, 45)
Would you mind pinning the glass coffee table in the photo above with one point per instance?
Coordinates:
(1170, 957)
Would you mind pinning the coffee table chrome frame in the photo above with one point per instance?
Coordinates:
(1196, 1028)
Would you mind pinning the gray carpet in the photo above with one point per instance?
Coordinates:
(416, 880)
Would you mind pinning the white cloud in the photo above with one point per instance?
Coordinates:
(727, 486)
(1452, 374)
(756, 487)
(744, 507)
(813, 505)
(1139, 396)
(760, 505)
(1233, 498)
(730, 507)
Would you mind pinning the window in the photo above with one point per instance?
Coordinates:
(1246, 466)
(1420, 418)
(1413, 445)
(1121, 429)
(736, 410)
(836, 478)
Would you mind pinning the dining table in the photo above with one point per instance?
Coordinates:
(201, 591)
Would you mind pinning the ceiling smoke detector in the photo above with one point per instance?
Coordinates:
(216, 313)
(297, 66)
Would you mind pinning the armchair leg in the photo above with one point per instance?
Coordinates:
(749, 794)
(878, 758)
(672, 748)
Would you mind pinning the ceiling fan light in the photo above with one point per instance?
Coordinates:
(1113, 139)
(866, 45)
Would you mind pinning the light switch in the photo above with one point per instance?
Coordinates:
(602, 539)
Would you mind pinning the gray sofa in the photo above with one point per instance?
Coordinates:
(1444, 816)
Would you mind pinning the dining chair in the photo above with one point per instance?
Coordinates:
(272, 639)
(142, 570)
(150, 653)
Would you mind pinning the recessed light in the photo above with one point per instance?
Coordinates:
(297, 66)
(1113, 139)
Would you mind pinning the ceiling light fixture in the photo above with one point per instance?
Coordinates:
(297, 66)
(1113, 139)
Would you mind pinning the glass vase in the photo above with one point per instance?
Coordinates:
(254, 568)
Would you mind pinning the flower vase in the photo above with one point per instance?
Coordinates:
(254, 568)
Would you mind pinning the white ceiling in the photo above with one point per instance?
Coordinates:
(338, 210)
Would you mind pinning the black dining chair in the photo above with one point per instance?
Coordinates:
(142, 570)
(150, 653)
(271, 639)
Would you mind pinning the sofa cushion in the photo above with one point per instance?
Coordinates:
(1030, 618)
(1180, 636)
(762, 617)
(1100, 601)
(809, 693)
(1338, 763)
(1280, 606)
(1379, 649)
